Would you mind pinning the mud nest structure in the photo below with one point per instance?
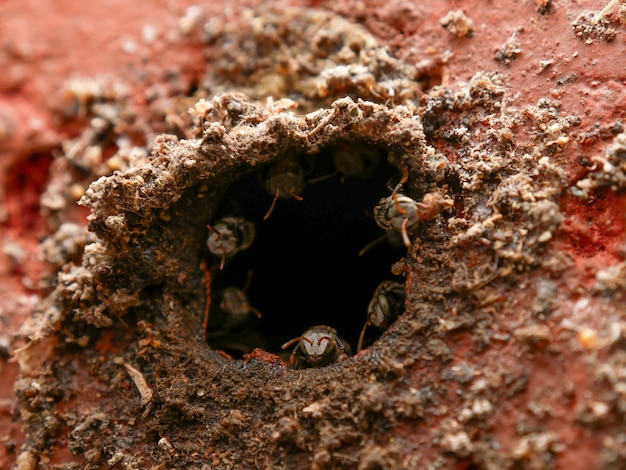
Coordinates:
(131, 305)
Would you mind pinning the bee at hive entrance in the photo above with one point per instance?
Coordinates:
(305, 266)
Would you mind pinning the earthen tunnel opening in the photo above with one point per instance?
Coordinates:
(305, 267)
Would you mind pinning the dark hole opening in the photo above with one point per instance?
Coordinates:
(304, 265)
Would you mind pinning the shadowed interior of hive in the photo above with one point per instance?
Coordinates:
(304, 267)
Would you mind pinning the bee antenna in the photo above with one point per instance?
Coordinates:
(293, 195)
(319, 179)
(269, 211)
(216, 232)
(292, 342)
(404, 179)
(256, 312)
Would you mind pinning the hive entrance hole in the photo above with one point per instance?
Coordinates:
(304, 267)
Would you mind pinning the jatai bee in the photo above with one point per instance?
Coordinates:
(231, 310)
(318, 346)
(229, 324)
(398, 212)
(353, 160)
(385, 307)
(356, 161)
(229, 235)
(284, 179)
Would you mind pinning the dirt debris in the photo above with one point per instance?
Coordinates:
(313, 58)
(458, 23)
(509, 50)
(590, 27)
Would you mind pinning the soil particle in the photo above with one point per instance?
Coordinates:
(458, 23)
(510, 50)
(589, 28)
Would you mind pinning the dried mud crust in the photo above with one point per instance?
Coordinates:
(142, 282)
(127, 318)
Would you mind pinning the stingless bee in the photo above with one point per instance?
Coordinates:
(232, 309)
(228, 325)
(284, 179)
(402, 214)
(386, 305)
(318, 346)
(398, 212)
(230, 235)
(352, 160)
(356, 161)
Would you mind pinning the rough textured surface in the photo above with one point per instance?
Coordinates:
(510, 351)
(143, 272)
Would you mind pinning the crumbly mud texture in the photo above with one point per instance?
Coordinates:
(129, 316)
(458, 23)
(592, 27)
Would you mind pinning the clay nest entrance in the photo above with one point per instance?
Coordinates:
(148, 273)
(306, 264)
(134, 312)
(135, 308)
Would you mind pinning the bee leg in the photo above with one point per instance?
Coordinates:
(223, 261)
(404, 179)
(372, 244)
(405, 234)
(293, 362)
